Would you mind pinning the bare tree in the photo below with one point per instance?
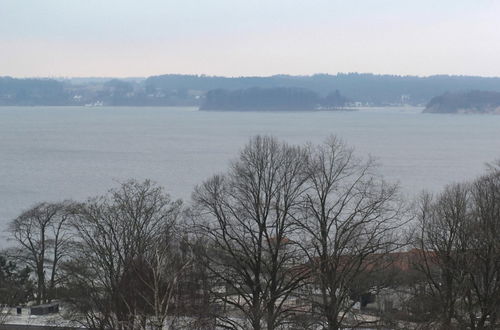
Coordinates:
(248, 216)
(442, 241)
(126, 260)
(458, 239)
(350, 216)
(160, 272)
(43, 237)
(195, 286)
(482, 290)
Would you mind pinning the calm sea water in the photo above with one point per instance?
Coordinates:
(54, 153)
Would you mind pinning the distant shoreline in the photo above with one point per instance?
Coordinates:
(278, 110)
(196, 108)
(193, 90)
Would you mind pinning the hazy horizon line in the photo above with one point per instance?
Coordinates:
(250, 76)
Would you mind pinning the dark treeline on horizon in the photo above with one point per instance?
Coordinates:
(190, 90)
(468, 102)
(274, 99)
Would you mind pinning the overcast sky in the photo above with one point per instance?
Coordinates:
(252, 37)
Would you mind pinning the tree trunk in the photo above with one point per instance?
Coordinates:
(40, 297)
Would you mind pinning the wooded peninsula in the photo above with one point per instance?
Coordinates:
(209, 92)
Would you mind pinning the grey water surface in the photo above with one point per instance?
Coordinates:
(56, 153)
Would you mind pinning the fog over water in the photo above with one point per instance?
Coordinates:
(54, 153)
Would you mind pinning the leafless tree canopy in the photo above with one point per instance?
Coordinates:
(127, 260)
(458, 237)
(284, 218)
(442, 230)
(249, 216)
(43, 238)
(350, 217)
(289, 237)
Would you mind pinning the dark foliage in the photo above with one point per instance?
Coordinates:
(181, 90)
(261, 99)
(473, 101)
(366, 88)
(31, 92)
(15, 284)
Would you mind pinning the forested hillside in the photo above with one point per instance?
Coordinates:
(276, 99)
(369, 89)
(469, 102)
(182, 90)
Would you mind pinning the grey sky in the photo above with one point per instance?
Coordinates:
(252, 37)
